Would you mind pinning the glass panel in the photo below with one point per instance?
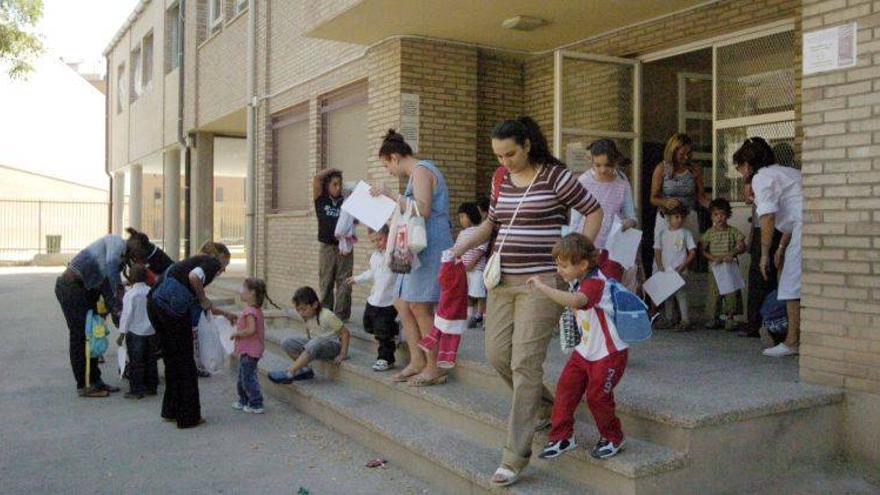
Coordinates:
(153, 192)
(780, 135)
(577, 157)
(597, 95)
(292, 179)
(348, 143)
(757, 76)
(698, 95)
(701, 132)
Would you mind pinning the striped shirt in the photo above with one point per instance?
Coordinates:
(477, 253)
(538, 225)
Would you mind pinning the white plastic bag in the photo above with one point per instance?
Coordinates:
(224, 331)
(121, 360)
(211, 352)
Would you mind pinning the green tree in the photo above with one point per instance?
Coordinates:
(19, 44)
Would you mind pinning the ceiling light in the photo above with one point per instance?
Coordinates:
(523, 23)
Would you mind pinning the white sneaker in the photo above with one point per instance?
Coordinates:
(238, 406)
(780, 350)
(382, 365)
(253, 410)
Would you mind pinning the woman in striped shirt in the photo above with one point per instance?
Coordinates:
(520, 322)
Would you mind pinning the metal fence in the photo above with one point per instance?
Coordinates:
(28, 228)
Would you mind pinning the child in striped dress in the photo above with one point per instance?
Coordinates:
(475, 262)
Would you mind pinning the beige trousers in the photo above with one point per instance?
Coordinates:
(519, 326)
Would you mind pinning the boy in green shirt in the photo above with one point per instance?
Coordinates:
(721, 244)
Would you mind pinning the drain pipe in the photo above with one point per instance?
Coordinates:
(181, 138)
(250, 182)
(107, 110)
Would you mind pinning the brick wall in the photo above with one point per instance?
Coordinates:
(500, 95)
(840, 343)
(222, 90)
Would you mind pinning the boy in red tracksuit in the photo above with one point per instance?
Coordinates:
(598, 362)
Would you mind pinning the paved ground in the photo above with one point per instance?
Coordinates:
(52, 441)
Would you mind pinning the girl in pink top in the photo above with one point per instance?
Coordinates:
(249, 337)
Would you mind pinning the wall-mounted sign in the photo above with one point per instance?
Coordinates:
(830, 49)
(409, 119)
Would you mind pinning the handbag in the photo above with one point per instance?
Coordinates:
(398, 256)
(492, 272)
(416, 233)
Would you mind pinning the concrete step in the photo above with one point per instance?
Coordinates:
(444, 457)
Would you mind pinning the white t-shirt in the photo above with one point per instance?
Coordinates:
(779, 190)
(674, 246)
(134, 311)
(595, 321)
(382, 293)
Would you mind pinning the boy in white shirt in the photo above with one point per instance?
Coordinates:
(139, 336)
(598, 362)
(380, 315)
(675, 249)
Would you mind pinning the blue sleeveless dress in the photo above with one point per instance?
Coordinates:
(422, 285)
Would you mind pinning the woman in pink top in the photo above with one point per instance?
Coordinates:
(249, 337)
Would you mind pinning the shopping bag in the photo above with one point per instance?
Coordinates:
(121, 360)
(224, 331)
(211, 353)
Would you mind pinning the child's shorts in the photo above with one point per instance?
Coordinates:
(324, 349)
(476, 287)
(380, 321)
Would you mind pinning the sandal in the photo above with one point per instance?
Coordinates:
(508, 477)
(427, 382)
(401, 377)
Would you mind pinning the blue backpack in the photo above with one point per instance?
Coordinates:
(630, 313)
(96, 335)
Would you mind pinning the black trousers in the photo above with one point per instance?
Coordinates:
(380, 321)
(143, 373)
(181, 399)
(76, 301)
(758, 287)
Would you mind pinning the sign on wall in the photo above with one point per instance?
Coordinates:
(830, 49)
(409, 119)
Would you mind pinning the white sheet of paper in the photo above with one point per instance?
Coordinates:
(373, 212)
(661, 285)
(623, 246)
(728, 277)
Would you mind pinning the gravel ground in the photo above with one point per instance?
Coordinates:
(51, 441)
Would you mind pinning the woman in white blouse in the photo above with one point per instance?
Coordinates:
(779, 204)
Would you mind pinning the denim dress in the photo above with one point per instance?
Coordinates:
(421, 285)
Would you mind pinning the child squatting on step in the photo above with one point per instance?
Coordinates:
(326, 339)
(598, 362)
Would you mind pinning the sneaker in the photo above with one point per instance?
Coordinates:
(133, 395)
(780, 350)
(382, 365)
(303, 374)
(283, 377)
(605, 449)
(253, 410)
(475, 322)
(109, 388)
(203, 373)
(554, 449)
(238, 406)
(92, 392)
(713, 324)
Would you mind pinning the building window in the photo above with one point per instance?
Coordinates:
(120, 88)
(218, 195)
(344, 131)
(173, 46)
(240, 6)
(215, 14)
(291, 184)
(137, 87)
(148, 62)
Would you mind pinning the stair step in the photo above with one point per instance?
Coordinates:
(443, 456)
(482, 415)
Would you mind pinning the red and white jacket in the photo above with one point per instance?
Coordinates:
(600, 337)
(450, 316)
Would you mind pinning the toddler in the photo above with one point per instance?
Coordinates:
(139, 336)
(474, 262)
(674, 249)
(249, 337)
(721, 244)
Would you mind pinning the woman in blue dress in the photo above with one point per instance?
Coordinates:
(419, 290)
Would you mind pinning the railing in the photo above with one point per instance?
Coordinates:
(25, 225)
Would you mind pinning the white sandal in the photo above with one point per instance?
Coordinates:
(510, 477)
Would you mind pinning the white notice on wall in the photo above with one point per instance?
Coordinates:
(409, 119)
(830, 49)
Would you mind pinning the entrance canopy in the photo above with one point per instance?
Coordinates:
(567, 21)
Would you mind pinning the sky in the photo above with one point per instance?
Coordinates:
(81, 29)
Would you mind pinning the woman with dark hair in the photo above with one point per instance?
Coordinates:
(334, 267)
(778, 203)
(531, 207)
(142, 251)
(419, 290)
(174, 307)
(92, 273)
(614, 194)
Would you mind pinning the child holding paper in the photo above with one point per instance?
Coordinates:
(334, 267)
(722, 243)
(675, 249)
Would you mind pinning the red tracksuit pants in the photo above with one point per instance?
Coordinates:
(597, 379)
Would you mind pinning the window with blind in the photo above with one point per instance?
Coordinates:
(344, 132)
(292, 185)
